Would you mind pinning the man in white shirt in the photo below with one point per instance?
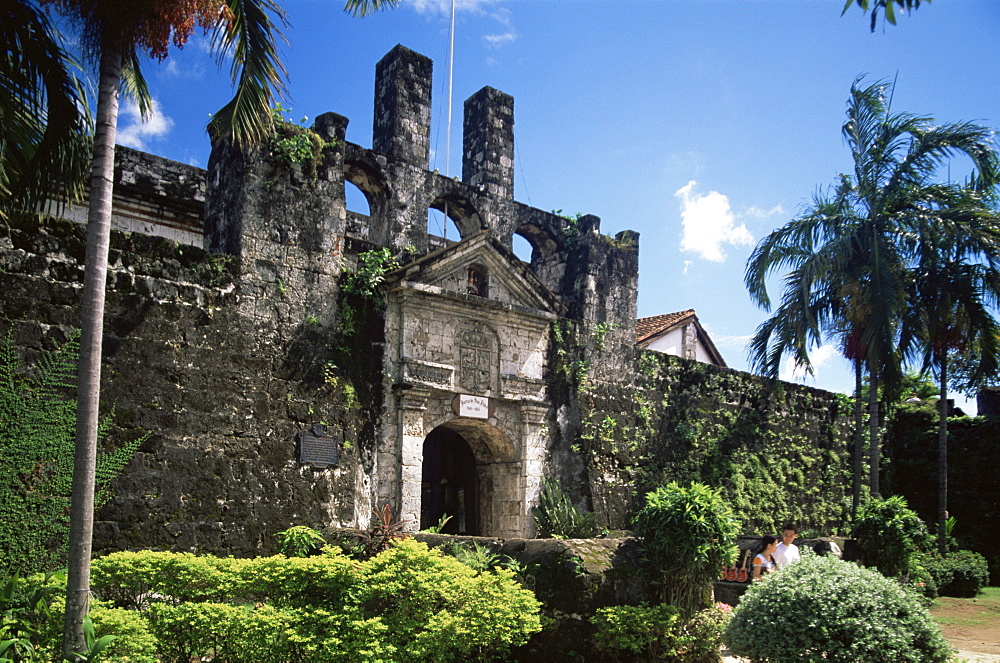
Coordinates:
(787, 551)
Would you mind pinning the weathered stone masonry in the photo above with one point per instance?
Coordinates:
(481, 375)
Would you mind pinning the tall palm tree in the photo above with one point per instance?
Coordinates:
(954, 289)
(847, 254)
(115, 34)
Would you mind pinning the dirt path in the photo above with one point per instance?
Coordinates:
(971, 624)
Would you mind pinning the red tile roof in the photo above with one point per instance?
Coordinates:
(646, 327)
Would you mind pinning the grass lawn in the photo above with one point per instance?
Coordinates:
(971, 624)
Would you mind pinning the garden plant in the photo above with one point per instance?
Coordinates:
(822, 609)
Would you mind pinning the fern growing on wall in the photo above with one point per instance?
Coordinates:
(37, 431)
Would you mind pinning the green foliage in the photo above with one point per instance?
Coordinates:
(557, 517)
(657, 633)
(25, 616)
(294, 145)
(442, 521)
(687, 535)
(409, 603)
(961, 573)
(133, 643)
(37, 435)
(887, 6)
(300, 541)
(824, 610)
(231, 633)
(366, 281)
(442, 610)
(637, 632)
(888, 534)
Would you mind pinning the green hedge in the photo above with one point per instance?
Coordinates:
(408, 603)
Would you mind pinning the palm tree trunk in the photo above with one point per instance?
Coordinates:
(91, 336)
(873, 442)
(859, 441)
(943, 458)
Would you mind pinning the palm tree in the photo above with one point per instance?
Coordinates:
(955, 286)
(847, 254)
(114, 34)
(44, 123)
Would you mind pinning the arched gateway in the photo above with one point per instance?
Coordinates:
(467, 406)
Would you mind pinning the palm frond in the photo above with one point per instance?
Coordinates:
(44, 118)
(246, 33)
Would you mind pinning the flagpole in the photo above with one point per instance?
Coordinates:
(451, 78)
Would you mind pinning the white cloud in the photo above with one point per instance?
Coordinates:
(820, 357)
(708, 223)
(444, 6)
(759, 213)
(500, 40)
(134, 132)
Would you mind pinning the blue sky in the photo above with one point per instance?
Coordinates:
(701, 124)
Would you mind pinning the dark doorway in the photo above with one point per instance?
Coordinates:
(449, 484)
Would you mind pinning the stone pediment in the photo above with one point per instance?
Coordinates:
(481, 271)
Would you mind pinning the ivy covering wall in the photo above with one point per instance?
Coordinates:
(911, 450)
(778, 452)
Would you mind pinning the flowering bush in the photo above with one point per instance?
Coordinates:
(824, 610)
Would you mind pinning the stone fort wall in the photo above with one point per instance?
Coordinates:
(229, 353)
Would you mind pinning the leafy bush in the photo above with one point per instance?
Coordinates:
(888, 534)
(556, 517)
(962, 573)
(408, 603)
(231, 633)
(657, 633)
(637, 632)
(702, 634)
(442, 610)
(132, 580)
(133, 643)
(825, 610)
(300, 541)
(687, 536)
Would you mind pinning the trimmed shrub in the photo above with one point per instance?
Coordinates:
(657, 633)
(221, 632)
(408, 603)
(824, 610)
(442, 610)
(962, 573)
(637, 632)
(133, 643)
(134, 579)
(888, 534)
(687, 535)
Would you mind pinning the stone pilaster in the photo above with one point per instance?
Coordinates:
(402, 126)
(488, 142)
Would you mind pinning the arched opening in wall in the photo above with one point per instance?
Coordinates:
(452, 218)
(522, 248)
(544, 258)
(469, 472)
(441, 225)
(365, 197)
(356, 200)
(449, 485)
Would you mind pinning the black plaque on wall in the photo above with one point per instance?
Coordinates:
(318, 449)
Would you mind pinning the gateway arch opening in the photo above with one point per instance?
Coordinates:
(449, 483)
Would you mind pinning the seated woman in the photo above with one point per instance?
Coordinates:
(764, 561)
